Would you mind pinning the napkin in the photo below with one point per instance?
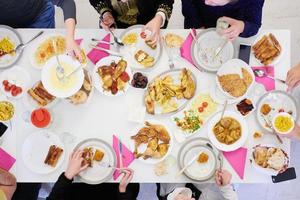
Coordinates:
(128, 156)
(237, 159)
(78, 41)
(185, 50)
(267, 82)
(6, 160)
(95, 55)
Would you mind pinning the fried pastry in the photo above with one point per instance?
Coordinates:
(53, 155)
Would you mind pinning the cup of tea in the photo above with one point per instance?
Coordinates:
(41, 118)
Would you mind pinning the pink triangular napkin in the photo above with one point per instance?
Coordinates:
(237, 159)
(128, 156)
(78, 41)
(185, 50)
(95, 55)
(267, 82)
(6, 160)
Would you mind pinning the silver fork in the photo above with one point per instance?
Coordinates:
(107, 165)
(60, 71)
(21, 46)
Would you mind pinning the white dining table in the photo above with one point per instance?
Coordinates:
(105, 116)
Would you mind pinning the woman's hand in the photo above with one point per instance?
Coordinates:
(107, 21)
(73, 49)
(153, 26)
(223, 177)
(235, 29)
(295, 134)
(75, 164)
(293, 77)
(127, 177)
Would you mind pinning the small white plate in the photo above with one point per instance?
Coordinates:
(48, 73)
(18, 76)
(278, 58)
(98, 81)
(98, 174)
(234, 66)
(9, 60)
(143, 147)
(221, 146)
(35, 150)
(208, 41)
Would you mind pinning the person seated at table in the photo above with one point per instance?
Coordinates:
(41, 14)
(178, 191)
(124, 13)
(64, 189)
(243, 16)
(8, 185)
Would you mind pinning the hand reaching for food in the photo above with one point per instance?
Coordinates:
(235, 29)
(107, 21)
(73, 49)
(154, 27)
(223, 177)
(293, 77)
(127, 177)
(75, 164)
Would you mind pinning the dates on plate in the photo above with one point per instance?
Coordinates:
(139, 80)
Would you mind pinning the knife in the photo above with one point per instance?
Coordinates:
(120, 154)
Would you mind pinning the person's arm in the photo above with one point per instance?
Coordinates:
(164, 10)
(252, 17)
(223, 179)
(191, 14)
(228, 192)
(125, 191)
(105, 11)
(61, 189)
(8, 183)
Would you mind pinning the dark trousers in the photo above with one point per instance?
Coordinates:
(27, 191)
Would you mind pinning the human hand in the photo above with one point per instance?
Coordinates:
(183, 197)
(75, 164)
(73, 49)
(107, 21)
(294, 134)
(223, 177)
(235, 29)
(127, 177)
(153, 26)
(6, 178)
(293, 77)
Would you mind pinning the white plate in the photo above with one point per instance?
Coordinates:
(98, 174)
(267, 171)
(219, 96)
(15, 38)
(98, 81)
(221, 146)
(234, 66)
(143, 147)
(208, 41)
(276, 99)
(277, 59)
(35, 150)
(51, 65)
(18, 76)
(36, 44)
(129, 50)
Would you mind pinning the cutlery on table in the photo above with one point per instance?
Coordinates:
(185, 167)
(107, 165)
(21, 46)
(113, 53)
(224, 108)
(219, 49)
(117, 40)
(269, 124)
(171, 60)
(102, 42)
(121, 155)
(73, 72)
(261, 74)
(60, 71)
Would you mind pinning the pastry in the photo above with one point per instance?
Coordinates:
(53, 155)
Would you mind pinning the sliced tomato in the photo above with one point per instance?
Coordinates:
(13, 87)
(14, 92)
(5, 82)
(114, 87)
(200, 109)
(124, 77)
(7, 88)
(204, 104)
(143, 35)
(20, 90)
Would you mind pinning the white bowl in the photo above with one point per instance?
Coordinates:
(284, 114)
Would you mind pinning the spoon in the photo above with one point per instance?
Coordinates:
(261, 73)
(116, 39)
(224, 108)
(102, 42)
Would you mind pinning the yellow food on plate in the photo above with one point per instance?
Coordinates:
(98, 156)
(228, 130)
(283, 123)
(130, 38)
(173, 40)
(257, 135)
(6, 110)
(6, 45)
(265, 109)
(66, 84)
(46, 50)
(207, 103)
(234, 84)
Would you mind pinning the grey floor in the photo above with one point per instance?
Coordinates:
(278, 14)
